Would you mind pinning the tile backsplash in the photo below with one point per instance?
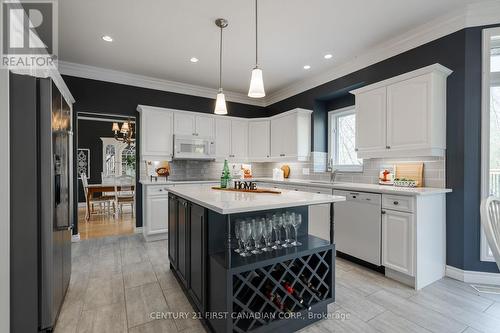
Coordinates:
(434, 170)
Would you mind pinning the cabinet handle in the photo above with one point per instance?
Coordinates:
(396, 203)
(356, 149)
(388, 147)
(383, 212)
(160, 190)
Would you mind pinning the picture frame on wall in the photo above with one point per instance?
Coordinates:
(83, 162)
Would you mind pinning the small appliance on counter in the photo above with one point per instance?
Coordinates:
(157, 170)
(386, 176)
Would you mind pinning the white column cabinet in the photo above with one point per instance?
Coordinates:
(259, 137)
(239, 140)
(156, 133)
(155, 215)
(404, 116)
(397, 241)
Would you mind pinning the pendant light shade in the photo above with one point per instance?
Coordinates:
(220, 102)
(257, 81)
(256, 84)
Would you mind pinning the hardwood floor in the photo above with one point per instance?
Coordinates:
(105, 225)
(117, 282)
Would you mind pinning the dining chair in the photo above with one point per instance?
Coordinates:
(124, 193)
(490, 220)
(104, 201)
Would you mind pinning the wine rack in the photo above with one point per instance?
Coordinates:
(291, 285)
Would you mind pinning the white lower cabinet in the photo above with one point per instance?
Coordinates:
(397, 241)
(155, 216)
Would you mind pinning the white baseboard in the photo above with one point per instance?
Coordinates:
(75, 238)
(472, 276)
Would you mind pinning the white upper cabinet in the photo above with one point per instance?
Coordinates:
(371, 121)
(156, 133)
(403, 116)
(239, 140)
(187, 123)
(204, 126)
(259, 140)
(291, 135)
(184, 123)
(222, 138)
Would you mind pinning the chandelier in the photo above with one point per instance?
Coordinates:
(125, 133)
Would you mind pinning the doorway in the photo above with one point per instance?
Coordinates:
(106, 175)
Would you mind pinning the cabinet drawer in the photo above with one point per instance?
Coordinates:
(157, 190)
(321, 190)
(398, 202)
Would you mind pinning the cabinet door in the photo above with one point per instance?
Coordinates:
(259, 140)
(239, 139)
(205, 126)
(288, 127)
(183, 242)
(184, 123)
(222, 138)
(156, 133)
(371, 121)
(172, 230)
(277, 138)
(408, 114)
(397, 241)
(157, 214)
(198, 255)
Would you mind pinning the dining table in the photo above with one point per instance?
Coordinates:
(103, 188)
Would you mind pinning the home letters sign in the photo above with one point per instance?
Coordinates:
(244, 185)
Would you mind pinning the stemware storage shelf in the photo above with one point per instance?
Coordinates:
(263, 292)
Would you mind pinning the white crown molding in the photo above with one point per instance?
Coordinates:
(472, 276)
(108, 75)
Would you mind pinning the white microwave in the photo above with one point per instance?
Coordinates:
(187, 147)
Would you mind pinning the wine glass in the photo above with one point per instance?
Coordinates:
(267, 232)
(286, 225)
(276, 226)
(257, 229)
(296, 222)
(245, 232)
(249, 244)
(237, 235)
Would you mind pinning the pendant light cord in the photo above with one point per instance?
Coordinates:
(256, 36)
(220, 61)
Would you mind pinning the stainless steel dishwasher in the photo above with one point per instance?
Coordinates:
(358, 225)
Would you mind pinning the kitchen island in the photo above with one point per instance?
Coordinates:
(281, 290)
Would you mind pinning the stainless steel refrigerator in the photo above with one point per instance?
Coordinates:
(45, 121)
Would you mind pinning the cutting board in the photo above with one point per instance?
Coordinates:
(248, 191)
(414, 171)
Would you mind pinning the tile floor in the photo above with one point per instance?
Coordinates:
(118, 281)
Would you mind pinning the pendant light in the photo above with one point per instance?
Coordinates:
(220, 102)
(256, 82)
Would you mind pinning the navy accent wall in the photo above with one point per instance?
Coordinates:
(461, 52)
(101, 97)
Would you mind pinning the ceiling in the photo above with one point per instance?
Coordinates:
(157, 38)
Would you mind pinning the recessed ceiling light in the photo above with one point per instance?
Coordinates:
(193, 59)
(307, 67)
(107, 38)
(328, 56)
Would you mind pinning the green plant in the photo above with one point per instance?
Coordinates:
(130, 161)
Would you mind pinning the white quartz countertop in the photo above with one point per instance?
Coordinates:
(226, 202)
(176, 182)
(385, 189)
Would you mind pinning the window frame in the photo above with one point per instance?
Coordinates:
(332, 154)
(487, 78)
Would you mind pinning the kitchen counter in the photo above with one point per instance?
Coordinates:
(375, 188)
(225, 202)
